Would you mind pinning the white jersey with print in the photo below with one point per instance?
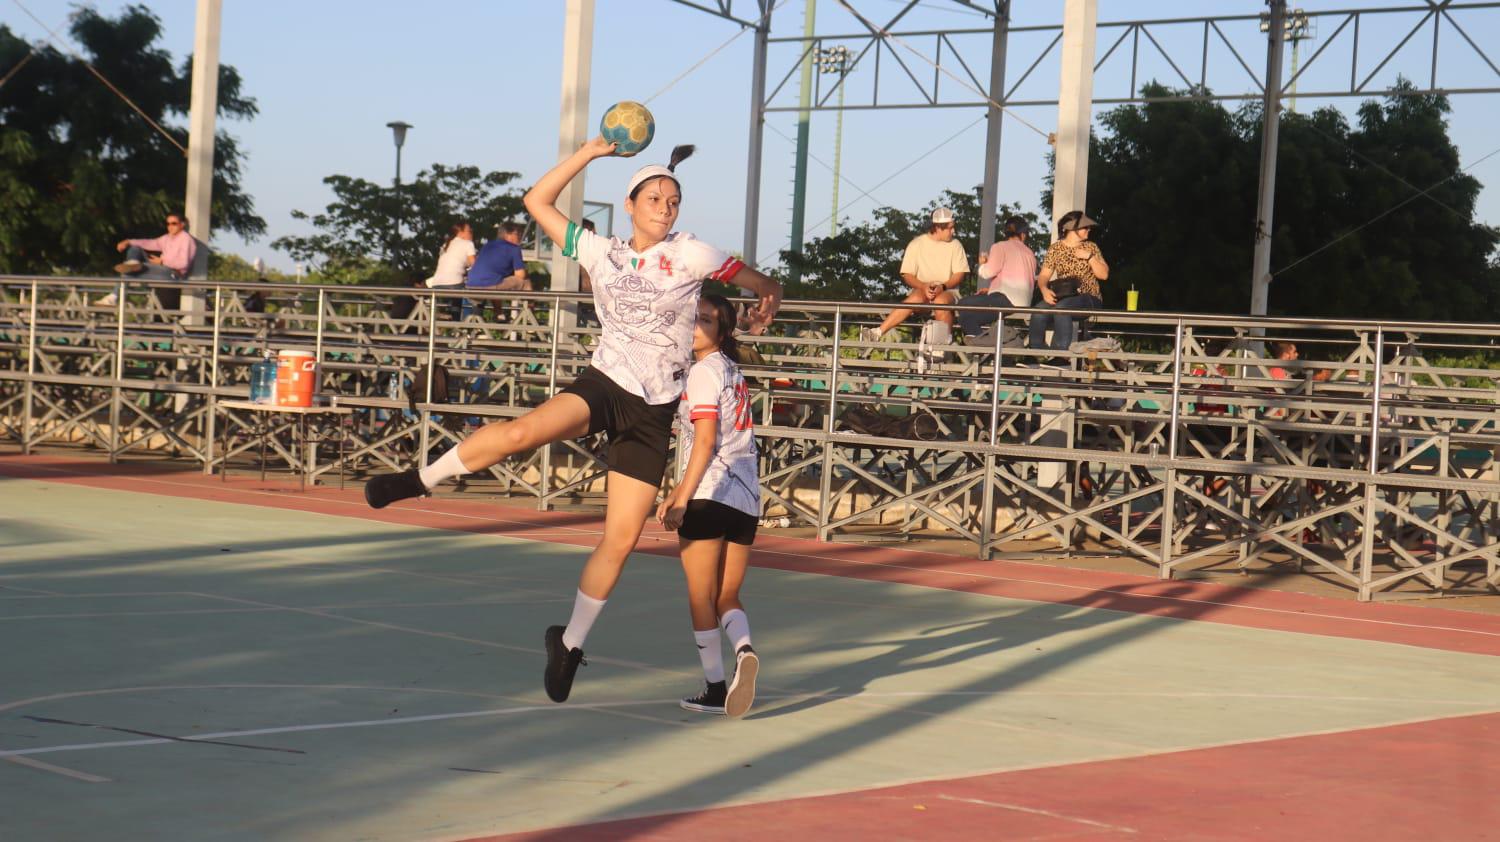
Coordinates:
(646, 304)
(716, 389)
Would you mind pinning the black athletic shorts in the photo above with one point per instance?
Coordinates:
(639, 433)
(709, 519)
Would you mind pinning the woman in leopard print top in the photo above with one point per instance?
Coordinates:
(1073, 256)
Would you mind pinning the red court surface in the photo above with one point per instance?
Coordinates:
(1425, 781)
(1432, 778)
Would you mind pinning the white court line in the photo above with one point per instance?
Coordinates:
(28, 590)
(1036, 812)
(606, 707)
(56, 770)
(352, 605)
(982, 576)
(329, 726)
(530, 650)
(103, 594)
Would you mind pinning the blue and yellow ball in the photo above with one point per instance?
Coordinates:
(629, 125)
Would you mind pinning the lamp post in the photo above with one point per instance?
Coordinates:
(398, 133)
(836, 60)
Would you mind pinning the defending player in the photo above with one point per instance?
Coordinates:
(715, 508)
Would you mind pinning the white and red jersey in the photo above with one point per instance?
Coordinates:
(647, 304)
(716, 389)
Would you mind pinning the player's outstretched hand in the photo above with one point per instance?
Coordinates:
(770, 302)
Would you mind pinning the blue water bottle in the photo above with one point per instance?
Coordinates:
(263, 380)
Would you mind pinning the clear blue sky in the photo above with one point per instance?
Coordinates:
(480, 81)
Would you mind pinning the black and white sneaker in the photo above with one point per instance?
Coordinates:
(741, 693)
(562, 665)
(386, 489)
(711, 700)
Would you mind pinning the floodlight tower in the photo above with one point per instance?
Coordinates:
(836, 60)
(1297, 27)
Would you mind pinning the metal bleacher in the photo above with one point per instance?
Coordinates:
(1177, 448)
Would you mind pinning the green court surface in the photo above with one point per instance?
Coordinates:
(176, 668)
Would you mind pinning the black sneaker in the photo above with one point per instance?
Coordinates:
(742, 689)
(386, 489)
(711, 700)
(562, 665)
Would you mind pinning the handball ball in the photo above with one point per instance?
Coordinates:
(629, 125)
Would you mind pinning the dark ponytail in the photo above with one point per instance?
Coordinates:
(725, 319)
(679, 154)
(453, 232)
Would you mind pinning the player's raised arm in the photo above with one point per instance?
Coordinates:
(541, 200)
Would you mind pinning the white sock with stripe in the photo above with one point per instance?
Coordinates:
(446, 467)
(710, 653)
(585, 611)
(737, 627)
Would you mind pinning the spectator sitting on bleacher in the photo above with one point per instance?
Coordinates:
(165, 258)
(499, 264)
(1069, 279)
(1010, 267)
(933, 264)
(1287, 352)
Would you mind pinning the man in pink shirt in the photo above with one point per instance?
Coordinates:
(1010, 267)
(172, 261)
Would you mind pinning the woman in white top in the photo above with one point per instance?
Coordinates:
(715, 508)
(455, 258)
(646, 294)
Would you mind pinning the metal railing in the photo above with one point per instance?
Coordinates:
(1179, 445)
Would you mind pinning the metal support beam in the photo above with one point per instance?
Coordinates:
(804, 129)
(757, 132)
(204, 106)
(1075, 107)
(994, 122)
(573, 123)
(1260, 273)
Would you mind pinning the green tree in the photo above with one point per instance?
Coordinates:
(79, 169)
(1173, 186)
(862, 262)
(355, 240)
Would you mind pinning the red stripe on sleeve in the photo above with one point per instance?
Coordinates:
(728, 269)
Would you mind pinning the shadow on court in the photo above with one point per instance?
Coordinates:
(934, 648)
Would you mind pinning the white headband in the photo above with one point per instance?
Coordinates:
(647, 173)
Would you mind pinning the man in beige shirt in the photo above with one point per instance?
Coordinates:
(934, 264)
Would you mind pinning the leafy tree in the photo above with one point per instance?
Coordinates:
(862, 262)
(1173, 186)
(356, 241)
(79, 169)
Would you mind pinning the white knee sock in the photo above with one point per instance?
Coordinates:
(446, 467)
(710, 653)
(736, 627)
(585, 611)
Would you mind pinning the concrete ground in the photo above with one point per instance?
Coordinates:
(191, 659)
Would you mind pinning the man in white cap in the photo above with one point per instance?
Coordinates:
(933, 266)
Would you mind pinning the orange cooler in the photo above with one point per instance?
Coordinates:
(296, 378)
